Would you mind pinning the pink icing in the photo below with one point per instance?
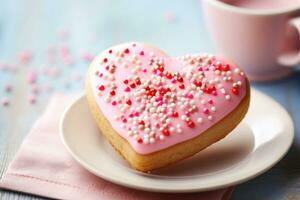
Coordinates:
(173, 108)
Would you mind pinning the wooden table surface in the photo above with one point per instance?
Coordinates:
(50, 28)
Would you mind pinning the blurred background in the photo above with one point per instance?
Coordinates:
(46, 47)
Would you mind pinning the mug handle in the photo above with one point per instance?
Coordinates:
(292, 58)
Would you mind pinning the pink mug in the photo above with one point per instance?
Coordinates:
(264, 42)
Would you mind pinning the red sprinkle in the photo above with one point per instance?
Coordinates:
(209, 90)
(110, 51)
(114, 103)
(166, 132)
(226, 68)
(161, 69)
(101, 87)
(169, 76)
(129, 102)
(125, 81)
(235, 91)
(198, 83)
(181, 86)
(140, 140)
(126, 51)
(175, 114)
(142, 53)
(153, 92)
(191, 124)
(112, 93)
(180, 79)
(105, 60)
(219, 67)
(138, 81)
(132, 85)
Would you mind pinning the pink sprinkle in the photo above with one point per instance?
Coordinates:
(64, 51)
(137, 114)
(159, 98)
(3, 66)
(210, 101)
(32, 99)
(63, 34)
(127, 89)
(190, 96)
(85, 56)
(8, 88)
(35, 88)
(170, 16)
(205, 111)
(25, 57)
(187, 113)
(68, 60)
(5, 101)
(31, 77)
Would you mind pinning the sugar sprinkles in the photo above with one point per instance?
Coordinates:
(152, 97)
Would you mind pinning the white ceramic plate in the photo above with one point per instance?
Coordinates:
(259, 142)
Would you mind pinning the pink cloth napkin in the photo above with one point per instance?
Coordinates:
(43, 167)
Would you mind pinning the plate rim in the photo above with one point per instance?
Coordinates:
(176, 190)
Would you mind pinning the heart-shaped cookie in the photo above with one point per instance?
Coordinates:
(156, 110)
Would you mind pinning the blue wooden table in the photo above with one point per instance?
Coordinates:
(50, 28)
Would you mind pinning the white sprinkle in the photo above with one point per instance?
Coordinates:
(199, 120)
(146, 140)
(213, 108)
(227, 97)
(236, 70)
(152, 133)
(147, 130)
(222, 90)
(151, 140)
(161, 137)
